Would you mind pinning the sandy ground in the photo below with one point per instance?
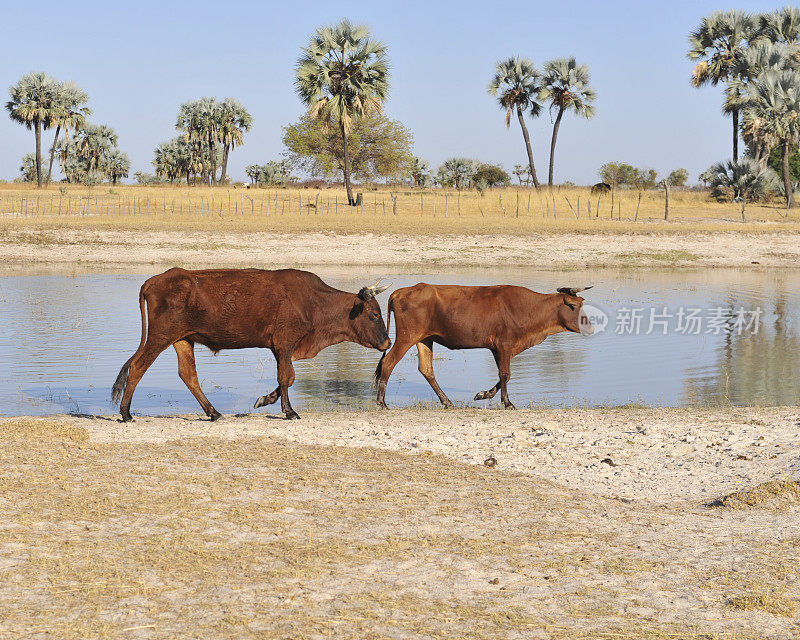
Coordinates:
(121, 249)
(653, 455)
(177, 527)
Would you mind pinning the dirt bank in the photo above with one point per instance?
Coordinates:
(93, 248)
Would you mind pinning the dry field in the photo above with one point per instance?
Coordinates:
(441, 211)
(135, 227)
(176, 528)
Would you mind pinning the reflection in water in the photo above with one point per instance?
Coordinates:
(63, 340)
(758, 369)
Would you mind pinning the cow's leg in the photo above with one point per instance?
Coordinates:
(488, 395)
(187, 370)
(504, 369)
(425, 351)
(285, 380)
(270, 398)
(388, 362)
(139, 364)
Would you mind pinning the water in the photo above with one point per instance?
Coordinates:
(63, 339)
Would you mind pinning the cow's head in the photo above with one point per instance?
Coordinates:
(570, 312)
(366, 320)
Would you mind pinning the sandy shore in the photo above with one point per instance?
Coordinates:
(591, 524)
(652, 455)
(125, 249)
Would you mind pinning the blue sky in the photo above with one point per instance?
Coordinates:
(140, 61)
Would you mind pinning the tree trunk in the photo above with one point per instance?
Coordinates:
(666, 199)
(346, 171)
(39, 152)
(735, 117)
(787, 180)
(225, 150)
(53, 155)
(527, 147)
(213, 176)
(553, 145)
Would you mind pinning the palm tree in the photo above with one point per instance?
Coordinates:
(68, 114)
(200, 120)
(517, 87)
(758, 59)
(782, 26)
(742, 181)
(566, 85)
(234, 121)
(419, 171)
(774, 104)
(116, 165)
(32, 104)
(457, 171)
(341, 75)
(719, 44)
(28, 167)
(252, 171)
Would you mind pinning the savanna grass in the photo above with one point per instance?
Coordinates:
(513, 210)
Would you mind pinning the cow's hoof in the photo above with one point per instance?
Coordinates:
(448, 405)
(263, 401)
(216, 415)
(509, 405)
(127, 417)
(291, 414)
(481, 395)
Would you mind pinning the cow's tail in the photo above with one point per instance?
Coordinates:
(379, 369)
(122, 377)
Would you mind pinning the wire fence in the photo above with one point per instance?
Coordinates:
(552, 204)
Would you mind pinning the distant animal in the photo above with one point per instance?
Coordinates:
(600, 188)
(505, 319)
(292, 313)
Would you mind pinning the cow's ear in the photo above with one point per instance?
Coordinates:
(356, 311)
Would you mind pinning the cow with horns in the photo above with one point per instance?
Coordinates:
(292, 313)
(507, 320)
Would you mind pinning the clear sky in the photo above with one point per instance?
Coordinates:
(139, 61)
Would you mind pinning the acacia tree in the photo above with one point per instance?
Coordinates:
(719, 44)
(516, 84)
(377, 146)
(341, 75)
(566, 85)
(32, 103)
(234, 121)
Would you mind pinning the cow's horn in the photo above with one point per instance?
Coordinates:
(571, 291)
(367, 293)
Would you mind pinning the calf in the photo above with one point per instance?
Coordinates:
(505, 319)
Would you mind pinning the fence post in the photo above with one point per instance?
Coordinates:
(666, 198)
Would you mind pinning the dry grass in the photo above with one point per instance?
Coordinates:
(258, 538)
(509, 210)
(771, 601)
(776, 494)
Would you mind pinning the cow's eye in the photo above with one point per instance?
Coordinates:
(374, 317)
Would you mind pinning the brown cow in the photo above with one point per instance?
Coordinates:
(292, 313)
(505, 319)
